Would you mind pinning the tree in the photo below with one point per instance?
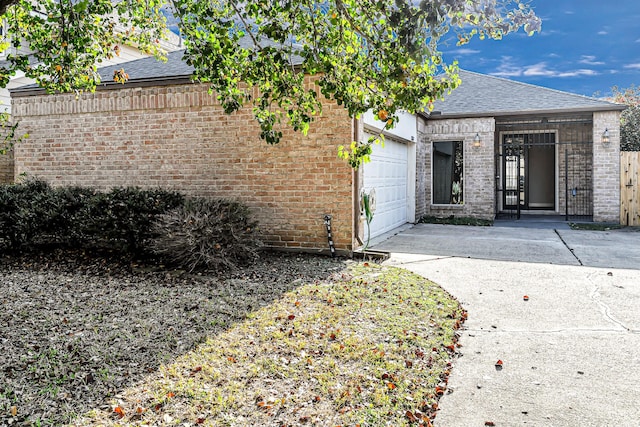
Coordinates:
(630, 118)
(367, 54)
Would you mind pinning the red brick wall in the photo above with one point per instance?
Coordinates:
(177, 137)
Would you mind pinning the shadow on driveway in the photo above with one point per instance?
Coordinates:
(558, 245)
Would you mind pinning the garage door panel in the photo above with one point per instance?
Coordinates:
(387, 174)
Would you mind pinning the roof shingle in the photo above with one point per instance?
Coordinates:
(484, 95)
(479, 95)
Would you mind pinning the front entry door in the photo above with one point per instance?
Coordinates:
(529, 171)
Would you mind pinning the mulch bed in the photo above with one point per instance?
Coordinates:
(77, 328)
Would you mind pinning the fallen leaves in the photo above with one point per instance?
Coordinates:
(264, 405)
(388, 344)
(127, 320)
(418, 417)
(119, 411)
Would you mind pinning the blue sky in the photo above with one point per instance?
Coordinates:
(585, 47)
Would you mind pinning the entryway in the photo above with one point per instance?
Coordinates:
(529, 165)
(545, 166)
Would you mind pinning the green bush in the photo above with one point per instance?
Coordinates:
(33, 213)
(206, 234)
(68, 215)
(123, 217)
(25, 209)
(194, 234)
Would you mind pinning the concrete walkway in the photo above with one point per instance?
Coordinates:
(571, 353)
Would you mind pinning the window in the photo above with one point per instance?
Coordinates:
(447, 173)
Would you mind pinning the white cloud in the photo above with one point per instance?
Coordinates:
(576, 73)
(550, 33)
(539, 69)
(590, 60)
(603, 33)
(513, 72)
(508, 69)
(569, 12)
(633, 66)
(465, 51)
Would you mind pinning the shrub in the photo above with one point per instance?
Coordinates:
(25, 209)
(207, 234)
(453, 220)
(68, 215)
(124, 216)
(33, 213)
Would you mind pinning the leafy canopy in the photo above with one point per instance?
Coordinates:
(366, 54)
(630, 118)
(60, 43)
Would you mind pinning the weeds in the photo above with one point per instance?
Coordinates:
(453, 220)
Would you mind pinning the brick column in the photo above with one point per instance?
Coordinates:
(606, 167)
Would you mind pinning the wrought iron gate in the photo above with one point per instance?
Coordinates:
(545, 165)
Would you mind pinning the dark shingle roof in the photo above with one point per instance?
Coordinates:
(151, 71)
(481, 95)
(150, 68)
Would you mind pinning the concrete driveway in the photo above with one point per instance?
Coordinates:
(571, 353)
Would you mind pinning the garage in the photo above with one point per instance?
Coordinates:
(389, 175)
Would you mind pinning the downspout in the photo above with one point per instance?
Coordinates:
(357, 134)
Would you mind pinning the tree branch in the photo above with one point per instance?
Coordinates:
(246, 26)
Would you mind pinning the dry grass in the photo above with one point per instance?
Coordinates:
(78, 328)
(370, 346)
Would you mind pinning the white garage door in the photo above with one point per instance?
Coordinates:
(387, 174)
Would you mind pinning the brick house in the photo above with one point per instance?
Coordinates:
(162, 130)
(516, 149)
